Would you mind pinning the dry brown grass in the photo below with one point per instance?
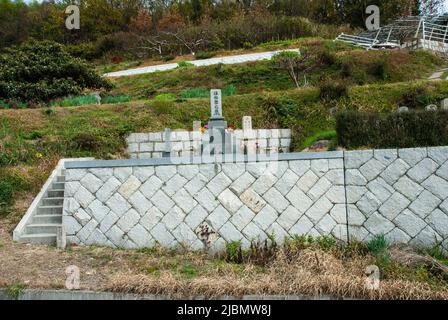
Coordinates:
(307, 271)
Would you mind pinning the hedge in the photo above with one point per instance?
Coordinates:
(394, 130)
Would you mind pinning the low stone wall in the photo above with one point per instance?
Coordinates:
(352, 195)
(188, 143)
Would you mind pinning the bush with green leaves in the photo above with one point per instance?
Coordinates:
(392, 130)
(42, 71)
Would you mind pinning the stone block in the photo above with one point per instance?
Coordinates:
(371, 169)
(408, 188)
(424, 204)
(438, 154)
(165, 172)
(128, 188)
(206, 199)
(276, 200)
(122, 174)
(439, 222)
(108, 189)
(234, 170)
(320, 208)
(173, 218)
(437, 186)
(162, 201)
(102, 173)
(386, 156)
(109, 220)
(319, 189)
(355, 159)
(128, 220)
(218, 184)
(354, 178)
(394, 206)
(83, 197)
(302, 227)
(377, 224)
(286, 182)
(319, 167)
(307, 181)
(184, 200)
(394, 171)
(97, 210)
(195, 217)
(289, 217)
(162, 235)
(409, 223)
(299, 199)
(118, 204)
(151, 186)
(300, 167)
(151, 218)
(412, 156)
(218, 217)
(422, 170)
(174, 184)
(230, 201)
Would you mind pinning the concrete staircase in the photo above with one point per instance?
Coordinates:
(43, 225)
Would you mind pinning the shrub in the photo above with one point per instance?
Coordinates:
(330, 90)
(393, 130)
(86, 141)
(75, 101)
(416, 97)
(204, 55)
(168, 58)
(42, 71)
(248, 45)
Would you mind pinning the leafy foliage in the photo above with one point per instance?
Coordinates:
(393, 130)
(41, 71)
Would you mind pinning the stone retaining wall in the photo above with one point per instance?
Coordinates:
(188, 143)
(204, 205)
(138, 203)
(400, 193)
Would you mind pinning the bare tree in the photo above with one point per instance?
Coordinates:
(296, 64)
(154, 43)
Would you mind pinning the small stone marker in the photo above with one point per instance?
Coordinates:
(61, 238)
(196, 126)
(167, 138)
(248, 133)
(216, 104)
(431, 107)
(403, 109)
(444, 104)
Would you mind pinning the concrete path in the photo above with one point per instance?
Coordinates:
(438, 75)
(199, 63)
(36, 294)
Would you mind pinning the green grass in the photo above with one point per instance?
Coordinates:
(90, 99)
(196, 93)
(15, 290)
(322, 135)
(165, 96)
(185, 64)
(74, 101)
(116, 99)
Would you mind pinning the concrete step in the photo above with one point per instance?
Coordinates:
(47, 219)
(55, 209)
(60, 179)
(55, 193)
(56, 201)
(44, 228)
(58, 185)
(43, 238)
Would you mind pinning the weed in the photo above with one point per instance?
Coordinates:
(326, 242)
(153, 270)
(204, 55)
(188, 271)
(185, 64)
(15, 290)
(234, 252)
(165, 96)
(378, 244)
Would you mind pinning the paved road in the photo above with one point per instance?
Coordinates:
(206, 62)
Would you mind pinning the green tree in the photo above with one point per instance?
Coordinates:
(41, 71)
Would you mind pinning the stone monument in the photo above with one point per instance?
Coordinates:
(220, 140)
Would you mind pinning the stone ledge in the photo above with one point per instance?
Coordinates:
(202, 160)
